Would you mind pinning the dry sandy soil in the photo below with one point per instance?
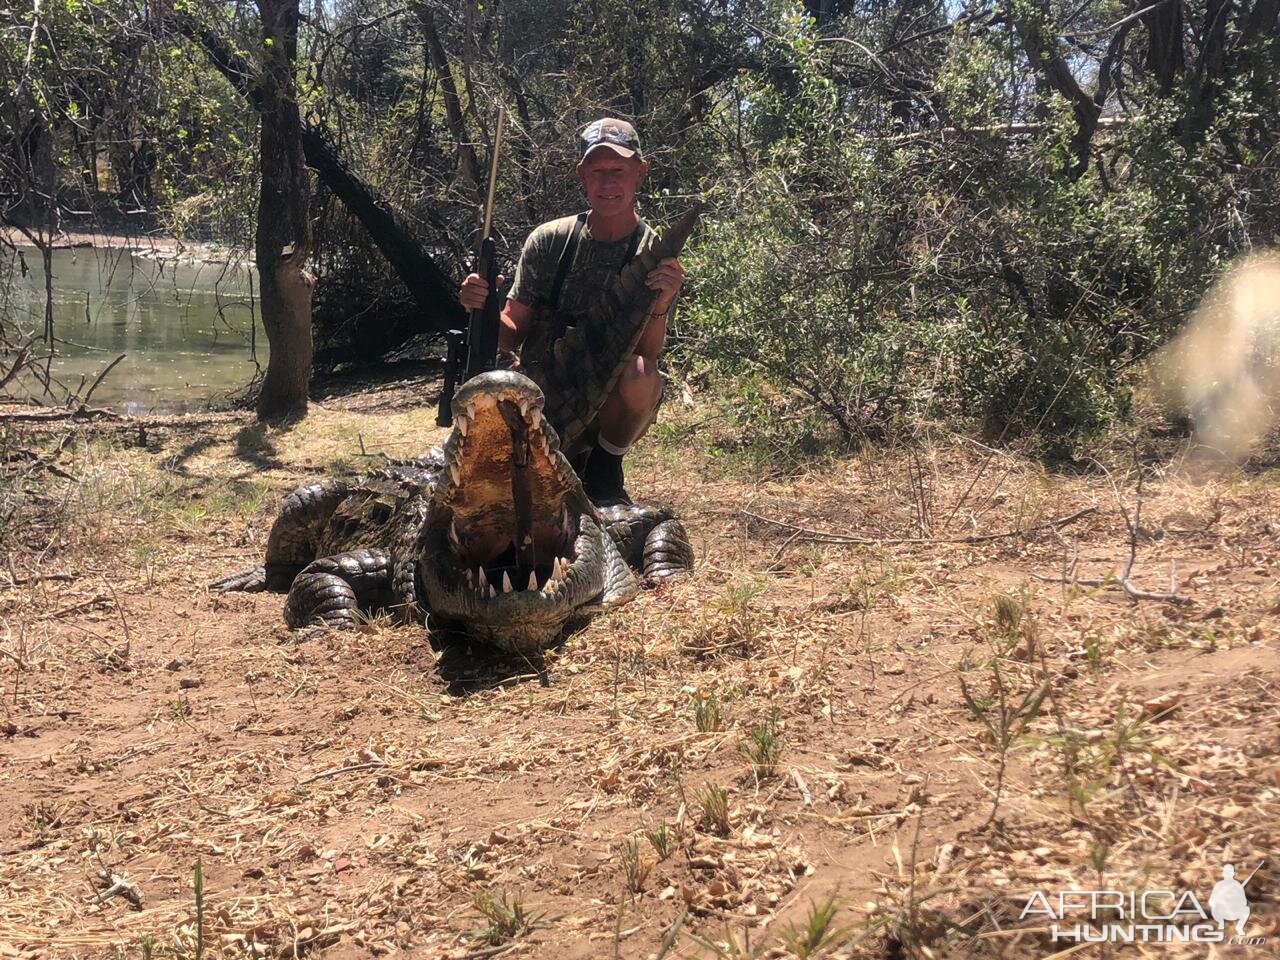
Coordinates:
(797, 751)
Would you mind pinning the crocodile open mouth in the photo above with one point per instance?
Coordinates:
(512, 528)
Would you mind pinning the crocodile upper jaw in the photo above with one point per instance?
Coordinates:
(511, 547)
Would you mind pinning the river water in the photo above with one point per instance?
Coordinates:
(188, 331)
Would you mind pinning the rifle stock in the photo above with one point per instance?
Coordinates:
(482, 329)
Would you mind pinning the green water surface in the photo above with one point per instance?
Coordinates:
(188, 331)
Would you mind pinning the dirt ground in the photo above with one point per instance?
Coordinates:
(870, 724)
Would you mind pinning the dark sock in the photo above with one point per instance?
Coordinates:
(602, 478)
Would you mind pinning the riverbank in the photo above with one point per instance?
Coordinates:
(155, 245)
(822, 736)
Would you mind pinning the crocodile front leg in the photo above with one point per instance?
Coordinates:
(291, 545)
(651, 539)
(667, 551)
(333, 590)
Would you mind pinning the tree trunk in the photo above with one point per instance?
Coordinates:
(452, 106)
(1164, 44)
(283, 241)
(434, 293)
(1046, 58)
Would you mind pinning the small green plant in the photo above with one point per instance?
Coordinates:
(1099, 851)
(179, 708)
(735, 946)
(1011, 622)
(763, 746)
(197, 883)
(732, 626)
(1008, 612)
(1093, 652)
(869, 586)
(506, 917)
(635, 866)
(147, 943)
(1005, 716)
(708, 714)
(817, 932)
(713, 802)
(736, 601)
(663, 840)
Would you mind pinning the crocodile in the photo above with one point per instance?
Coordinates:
(490, 534)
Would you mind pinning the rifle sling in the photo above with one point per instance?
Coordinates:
(570, 250)
(566, 261)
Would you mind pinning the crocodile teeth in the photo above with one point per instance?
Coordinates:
(550, 586)
(471, 411)
(484, 581)
(535, 417)
(454, 473)
(506, 582)
(453, 533)
(462, 423)
(471, 580)
(524, 407)
(492, 592)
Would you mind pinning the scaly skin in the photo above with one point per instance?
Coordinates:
(471, 569)
(440, 537)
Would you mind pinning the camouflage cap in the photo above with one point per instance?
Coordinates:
(618, 135)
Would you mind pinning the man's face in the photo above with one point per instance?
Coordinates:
(611, 180)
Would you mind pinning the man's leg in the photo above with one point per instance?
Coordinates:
(624, 419)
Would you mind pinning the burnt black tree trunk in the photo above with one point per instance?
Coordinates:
(283, 240)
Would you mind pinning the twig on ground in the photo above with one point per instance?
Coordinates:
(1124, 581)
(81, 413)
(487, 952)
(338, 771)
(1127, 585)
(117, 885)
(79, 607)
(41, 578)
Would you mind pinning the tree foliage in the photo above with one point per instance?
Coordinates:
(991, 211)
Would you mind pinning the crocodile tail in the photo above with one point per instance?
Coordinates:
(590, 358)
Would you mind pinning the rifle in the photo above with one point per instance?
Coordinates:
(475, 350)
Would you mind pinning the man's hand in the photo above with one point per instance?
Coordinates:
(475, 290)
(667, 278)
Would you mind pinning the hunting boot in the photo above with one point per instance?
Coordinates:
(602, 478)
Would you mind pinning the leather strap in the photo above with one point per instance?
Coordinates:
(566, 261)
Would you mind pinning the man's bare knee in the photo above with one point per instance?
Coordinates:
(640, 384)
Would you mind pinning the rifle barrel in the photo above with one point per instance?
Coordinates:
(493, 173)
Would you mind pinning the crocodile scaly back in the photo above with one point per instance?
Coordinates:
(591, 356)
